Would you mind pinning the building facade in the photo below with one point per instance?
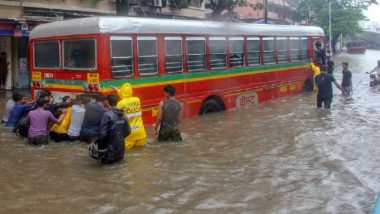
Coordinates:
(279, 12)
(19, 17)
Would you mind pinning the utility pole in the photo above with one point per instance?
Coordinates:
(266, 11)
(330, 46)
(122, 7)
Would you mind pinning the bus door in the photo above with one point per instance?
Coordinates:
(319, 51)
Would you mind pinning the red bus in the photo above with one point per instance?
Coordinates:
(213, 65)
(356, 47)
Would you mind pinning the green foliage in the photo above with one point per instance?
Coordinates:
(343, 21)
(345, 15)
(94, 2)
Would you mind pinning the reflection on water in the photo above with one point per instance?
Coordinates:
(283, 156)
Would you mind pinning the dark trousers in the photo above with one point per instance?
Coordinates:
(326, 100)
(58, 137)
(3, 77)
(169, 134)
(39, 140)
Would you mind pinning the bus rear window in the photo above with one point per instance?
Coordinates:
(46, 54)
(79, 54)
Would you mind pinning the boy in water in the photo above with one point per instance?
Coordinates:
(169, 114)
(346, 81)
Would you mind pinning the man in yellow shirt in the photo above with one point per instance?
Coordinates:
(58, 132)
(132, 109)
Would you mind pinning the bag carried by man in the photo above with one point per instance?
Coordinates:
(22, 127)
(95, 152)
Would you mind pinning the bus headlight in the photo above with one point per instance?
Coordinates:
(91, 87)
(37, 84)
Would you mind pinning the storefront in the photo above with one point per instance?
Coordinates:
(14, 35)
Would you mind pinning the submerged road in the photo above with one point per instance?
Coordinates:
(282, 156)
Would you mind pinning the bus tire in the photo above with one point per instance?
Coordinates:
(308, 85)
(210, 106)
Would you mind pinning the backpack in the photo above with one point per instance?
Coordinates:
(22, 127)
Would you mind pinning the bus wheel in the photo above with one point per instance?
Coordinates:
(210, 106)
(308, 85)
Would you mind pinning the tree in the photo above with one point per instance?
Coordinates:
(345, 15)
(219, 6)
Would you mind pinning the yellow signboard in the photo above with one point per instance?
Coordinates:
(154, 112)
(293, 87)
(36, 76)
(284, 88)
(93, 78)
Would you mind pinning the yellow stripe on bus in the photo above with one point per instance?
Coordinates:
(106, 90)
(213, 77)
(65, 86)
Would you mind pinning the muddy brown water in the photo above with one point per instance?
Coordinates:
(282, 156)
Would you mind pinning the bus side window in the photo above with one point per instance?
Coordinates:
(196, 53)
(236, 51)
(304, 49)
(254, 52)
(294, 43)
(282, 49)
(268, 43)
(218, 52)
(121, 56)
(147, 55)
(173, 54)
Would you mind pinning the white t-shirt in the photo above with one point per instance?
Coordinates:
(77, 116)
(376, 70)
(8, 108)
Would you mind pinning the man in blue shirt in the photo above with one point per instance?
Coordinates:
(20, 109)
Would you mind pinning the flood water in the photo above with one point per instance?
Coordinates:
(282, 156)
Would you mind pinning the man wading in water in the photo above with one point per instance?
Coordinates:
(169, 113)
(325, 92)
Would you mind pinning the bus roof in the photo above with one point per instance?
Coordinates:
(128, 25)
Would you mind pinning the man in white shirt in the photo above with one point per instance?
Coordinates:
(77, 117)
(376, 70)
